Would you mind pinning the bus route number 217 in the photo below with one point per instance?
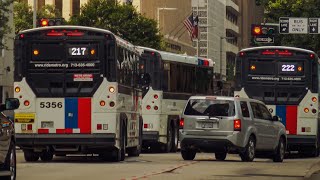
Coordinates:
(50, 104)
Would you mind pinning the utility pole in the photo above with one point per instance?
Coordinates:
(34, 13)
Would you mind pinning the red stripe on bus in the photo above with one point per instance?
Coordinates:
(84, 115)
(68, 131)
(43, 131)
(60, 131)
(64, 131)
(291, 119)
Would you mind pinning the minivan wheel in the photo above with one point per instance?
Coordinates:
(280, 151)
(250, 150)
(10, 163)
(220, 156)
(188, 154)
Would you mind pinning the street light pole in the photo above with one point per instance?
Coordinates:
(158, 14)
(34, 13)
(221, 38)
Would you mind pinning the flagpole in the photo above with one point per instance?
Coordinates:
(198, 39)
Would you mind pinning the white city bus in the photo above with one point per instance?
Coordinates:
(78, 93)
(286, 80)
(169, 80)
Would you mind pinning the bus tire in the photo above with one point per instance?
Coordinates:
(30, 156)
(123, 141)
(168, 146)
(175, 139)
(46, 156)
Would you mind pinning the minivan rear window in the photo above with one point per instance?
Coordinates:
(210, 107)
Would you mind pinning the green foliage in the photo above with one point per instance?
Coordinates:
(4, 18)
(122, 20)
(294, 8)
(23, 15)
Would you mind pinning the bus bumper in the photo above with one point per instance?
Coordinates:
(65, 139)
(150, 136)
(300, 142)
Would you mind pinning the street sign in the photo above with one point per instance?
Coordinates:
(264, 39)
(314, 25)
(293, 25)
(284, 25)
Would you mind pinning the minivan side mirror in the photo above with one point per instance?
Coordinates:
(275, 118)
(11, 104)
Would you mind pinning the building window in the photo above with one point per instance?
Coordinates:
(58, 5)
(75, 7)
(41, 3)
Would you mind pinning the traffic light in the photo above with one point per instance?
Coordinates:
(263, 34)
(264, 30)
(43, 22)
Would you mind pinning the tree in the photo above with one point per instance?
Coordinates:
(121, 19)
(4, 19)
(23, 15)
(294, 8)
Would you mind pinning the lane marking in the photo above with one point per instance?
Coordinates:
(167, 170)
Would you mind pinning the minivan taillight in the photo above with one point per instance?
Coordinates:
(237, 125)
(181, 123)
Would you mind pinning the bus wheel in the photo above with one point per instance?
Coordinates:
(175, 139)
(168, 146)
(46, 156)
(30, 156)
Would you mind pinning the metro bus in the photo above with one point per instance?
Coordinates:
(170, 79)
(286, 80)
(78, 90)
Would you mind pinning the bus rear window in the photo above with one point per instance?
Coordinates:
(207, 107)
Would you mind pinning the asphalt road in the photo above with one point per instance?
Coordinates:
(166, 167)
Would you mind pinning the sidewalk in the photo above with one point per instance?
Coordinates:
(314, 172)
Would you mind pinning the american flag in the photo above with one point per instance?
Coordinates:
(192, 26)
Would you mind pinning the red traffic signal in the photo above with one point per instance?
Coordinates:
(257, 30)
(43, 22)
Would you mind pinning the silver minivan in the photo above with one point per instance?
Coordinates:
(231, 125)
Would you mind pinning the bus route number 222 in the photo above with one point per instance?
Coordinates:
(50, 104)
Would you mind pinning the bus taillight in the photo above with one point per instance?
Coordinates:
(102, 103)
(156, 96)
(17, 89)
(55, 34)
(75, 34)
(241, 54)
(35, 52)
(111, 89)
(306, 110)
(314, 99)
(26, 103)
(311, 56)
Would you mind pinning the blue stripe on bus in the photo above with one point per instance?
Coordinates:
(282, 113)
(71, 113)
